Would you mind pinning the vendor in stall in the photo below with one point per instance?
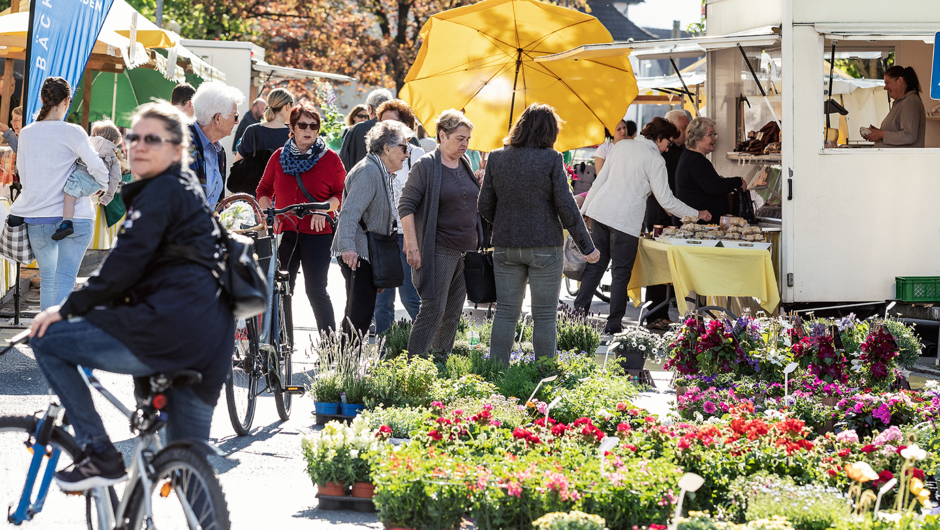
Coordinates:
(906, 122)
(697, 182)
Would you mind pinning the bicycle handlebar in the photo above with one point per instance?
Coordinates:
(301, 209)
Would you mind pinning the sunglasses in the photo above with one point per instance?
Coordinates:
(150, 140)
(404, 148)
(303, 126)
(363, 116)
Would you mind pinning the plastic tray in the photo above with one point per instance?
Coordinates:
(917, 288)
(689, 242)
(750, 245)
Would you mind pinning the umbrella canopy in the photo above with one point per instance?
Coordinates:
(480, 59)
(116, 96)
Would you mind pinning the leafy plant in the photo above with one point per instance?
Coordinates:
(909, 344)
(457, 366)
(325, 388)
(403, 421)
(576, 332)
(635, 339)
(488, 369)
(356, 389)
(809, 507)
(467, 386)
(573, 520)
(396, 338)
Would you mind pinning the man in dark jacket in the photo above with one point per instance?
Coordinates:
(656, 215)
(251, 117)
(354, 143)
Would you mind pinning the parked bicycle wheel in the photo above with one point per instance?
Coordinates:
(186, 494)
(241, 387)
(285, 337)
(574, 287)
(16, 438)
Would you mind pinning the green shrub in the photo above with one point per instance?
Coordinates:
(462, 347)
(909, 344)
(404, 421)
(488, 369)
(602, 391)
(809, 507)
(576, 332)
(396, 338)
(457, 366)
(466, 386)
(404, 380)
(573, 520)
(325, 388)
(356, 389)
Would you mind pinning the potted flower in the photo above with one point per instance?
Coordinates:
(325, 390)
(355, 389)
(634, 345)
(328, 460)
(573, 520)
(361, 466)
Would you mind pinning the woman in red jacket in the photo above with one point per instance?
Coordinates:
(305, 242)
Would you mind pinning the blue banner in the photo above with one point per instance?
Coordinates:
(62, 35)
(935, 73)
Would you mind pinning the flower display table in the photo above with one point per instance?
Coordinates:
(707, 271)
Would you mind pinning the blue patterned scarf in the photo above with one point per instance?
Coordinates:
(295, 163)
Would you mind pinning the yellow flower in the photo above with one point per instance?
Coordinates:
(861, 472)
(916, 486)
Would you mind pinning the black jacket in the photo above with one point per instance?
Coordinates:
(655, 214)
(354, 144)
(167, 311)
(701, 187)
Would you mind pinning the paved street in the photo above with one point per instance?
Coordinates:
(263, 474)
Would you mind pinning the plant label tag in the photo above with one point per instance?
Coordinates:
(546, 380)
(552, 405)
(836, 337)
(342, 398)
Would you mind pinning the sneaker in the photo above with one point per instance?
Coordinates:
(63, 231)
(93, 470)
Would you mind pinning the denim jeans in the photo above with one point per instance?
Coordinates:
(385, 301)
(541, 268)
(59, 260)
(68, 344)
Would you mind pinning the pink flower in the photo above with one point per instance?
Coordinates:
(849, 436)
(514, 489)
(883, 413)
(437, 405)
(709, 407)
(621, 407)
(891, 434)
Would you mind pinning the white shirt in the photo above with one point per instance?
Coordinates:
(603, 150)
(631, 172)
(46, 156)
(400, 177)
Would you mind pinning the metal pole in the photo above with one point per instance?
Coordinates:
(679, 75)
(832, 66)
(159, 14)
(512, 105)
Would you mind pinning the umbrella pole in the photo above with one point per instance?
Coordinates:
(512, 105)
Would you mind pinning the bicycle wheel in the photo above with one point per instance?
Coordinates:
(241, 386)
(285, 339)
(572, 286)
(185, 493)
(16, 439)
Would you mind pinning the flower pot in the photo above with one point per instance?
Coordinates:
(363, 490)
(326, 408)
(680, 391)
(332, 489)
(827, 427)
(631, 361)
(351, 410)
(830, 401)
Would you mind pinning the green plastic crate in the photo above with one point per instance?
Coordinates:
(918, 288)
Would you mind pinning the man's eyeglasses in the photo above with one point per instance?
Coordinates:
(303, 126)
(234, 115)
(150, 140)
(362, 116)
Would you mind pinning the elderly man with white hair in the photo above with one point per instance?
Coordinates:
(216, 106)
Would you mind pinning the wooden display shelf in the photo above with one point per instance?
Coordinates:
(346, 502)
(756, 159)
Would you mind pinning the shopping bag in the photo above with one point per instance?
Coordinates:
(574, 260)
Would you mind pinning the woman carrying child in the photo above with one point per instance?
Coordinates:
(48, 151)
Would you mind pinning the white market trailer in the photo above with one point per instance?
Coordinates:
(852, 218)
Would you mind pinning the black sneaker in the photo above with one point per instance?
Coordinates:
(93, 470)
(63, 231)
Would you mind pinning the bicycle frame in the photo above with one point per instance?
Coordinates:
(146, 445)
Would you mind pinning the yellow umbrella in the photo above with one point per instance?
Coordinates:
(480, 59)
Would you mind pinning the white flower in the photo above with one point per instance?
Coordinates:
(913, 452)
(604, 414)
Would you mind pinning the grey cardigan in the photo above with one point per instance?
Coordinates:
(421, 196)
(526, 196)
(364, 197)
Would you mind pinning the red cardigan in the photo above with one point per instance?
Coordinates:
(323, 181)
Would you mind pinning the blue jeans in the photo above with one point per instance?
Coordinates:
(59, 260)
(385, 301)
(513, 267)
(68, 344)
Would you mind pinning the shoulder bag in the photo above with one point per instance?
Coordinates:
(574, 260)
(247, 172)
(237, 271)
(14, 241)
(479, 276)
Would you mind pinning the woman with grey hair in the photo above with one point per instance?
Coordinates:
(368, 199)
(216, 106)
(697, 182)
(440, 222)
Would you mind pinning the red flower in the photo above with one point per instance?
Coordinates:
(868, 448)
(435, 435)
(833, 472)
(883, 478)
(621, 407)
(623, 427)
(844, 453)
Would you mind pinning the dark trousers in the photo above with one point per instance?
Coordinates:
(360, 298)
(657, 295)
(313, 252)
(620, 249)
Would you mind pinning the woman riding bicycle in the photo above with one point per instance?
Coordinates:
(143, 312)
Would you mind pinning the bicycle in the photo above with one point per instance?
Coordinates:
(602, 292)
(157, 475)
(266, 355)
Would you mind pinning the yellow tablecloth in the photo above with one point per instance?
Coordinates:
(707, 271)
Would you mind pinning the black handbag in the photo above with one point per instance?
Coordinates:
(743, 206)
(479, 276)
(237, 272)
(246, 173)
(385, 258)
